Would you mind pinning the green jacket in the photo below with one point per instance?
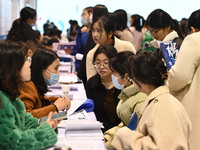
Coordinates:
(19, 130)
(130, 101)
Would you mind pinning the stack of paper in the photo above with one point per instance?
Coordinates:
(83, 130)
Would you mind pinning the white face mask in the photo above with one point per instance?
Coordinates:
(84, 21)
(54, 78)
(116, 83)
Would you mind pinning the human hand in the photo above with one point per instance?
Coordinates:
(84, 29)
(52, 123)
(61, 103)
(68, 102)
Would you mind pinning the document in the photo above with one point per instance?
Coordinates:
(83, 130)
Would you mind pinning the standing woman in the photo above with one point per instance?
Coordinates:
(83, 32)
(121, 29)
(98, 11)
(44, 71)
(136, 25)
(100, 88)
(184, 77)
(18, 129)
(103, 33)
(164, 124)
(21, 29)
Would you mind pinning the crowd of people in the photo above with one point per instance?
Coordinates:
(124, 71)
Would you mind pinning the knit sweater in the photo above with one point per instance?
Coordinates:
(19, 130)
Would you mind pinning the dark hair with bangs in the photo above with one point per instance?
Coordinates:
(120, 62)
(148, 68)
(159, 19)
(12, 58)
(106, 49)
(41, 59)
(106, 23)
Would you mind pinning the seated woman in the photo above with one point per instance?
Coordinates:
(44, 71)
(103, 33)
(130, 99)
(18, 129)
(164, 123)
(101, 90)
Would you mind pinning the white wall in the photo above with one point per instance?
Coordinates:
(5, 16)
(9, 11)
(61, 11)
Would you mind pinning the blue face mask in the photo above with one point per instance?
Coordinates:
(116, 83)
(84, 21)
(53, 78)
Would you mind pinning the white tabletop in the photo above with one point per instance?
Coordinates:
(79, 143)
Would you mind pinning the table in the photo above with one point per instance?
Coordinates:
(79, 94)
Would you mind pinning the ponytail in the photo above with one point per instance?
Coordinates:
(176, 27)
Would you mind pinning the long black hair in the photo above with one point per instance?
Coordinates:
(106, 23)
(21, 30)
(194, 20)
(41, 59)
(120, 18)
(159, 19)
(120, 62)
(138, 22)
(12, 58)
(148, 68)
(107, 49)
(27, 13)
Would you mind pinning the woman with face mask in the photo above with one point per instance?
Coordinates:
(103, 33)
(44, 71)
(130, 99)
(83, 32)
(19, 129)
(164, 123)
(100, 88)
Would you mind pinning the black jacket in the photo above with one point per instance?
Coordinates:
(97, 92)
(82, 69)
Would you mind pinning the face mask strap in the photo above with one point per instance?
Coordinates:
(48, 71)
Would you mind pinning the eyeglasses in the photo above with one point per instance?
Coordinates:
(132, 81)
(28, 59)
(98, 65)
(153, 32)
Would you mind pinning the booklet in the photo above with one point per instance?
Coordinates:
(170, 52)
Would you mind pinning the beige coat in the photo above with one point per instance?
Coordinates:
(184, 83)
(164, 125)
(130, 101)
(119, 45)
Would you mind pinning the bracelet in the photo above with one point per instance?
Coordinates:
(56, 108)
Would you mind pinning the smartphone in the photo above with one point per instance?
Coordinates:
(58, 116)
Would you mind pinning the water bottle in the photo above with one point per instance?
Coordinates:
(73, 64)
